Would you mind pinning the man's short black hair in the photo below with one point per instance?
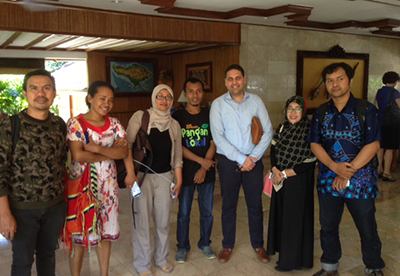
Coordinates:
(335, 66)
(193, 80)
(390, 77)
(40, 72)
(234, 67)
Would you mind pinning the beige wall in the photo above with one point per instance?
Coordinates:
(268, 55)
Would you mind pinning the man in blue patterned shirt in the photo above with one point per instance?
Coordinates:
(348, 173)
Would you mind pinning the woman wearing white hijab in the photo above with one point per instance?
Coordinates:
(155, 201)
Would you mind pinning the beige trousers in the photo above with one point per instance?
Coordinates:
(152, 208)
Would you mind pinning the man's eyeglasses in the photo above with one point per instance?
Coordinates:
(290, 110)
(161, 97)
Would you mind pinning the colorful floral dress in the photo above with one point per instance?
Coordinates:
(107, 186)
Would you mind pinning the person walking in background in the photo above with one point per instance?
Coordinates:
(390, 134)
(291, 216)
(198, 170)
(346, 144)
(155, 201)
(32, 172)
(94, 140)
(239, 160)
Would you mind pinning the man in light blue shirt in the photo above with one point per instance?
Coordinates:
(239, 160)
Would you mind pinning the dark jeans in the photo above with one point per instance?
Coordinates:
(252, 183)
(37, 233)
(206, 200)
(363, 213)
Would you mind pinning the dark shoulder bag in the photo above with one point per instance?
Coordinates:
(392, 113)
(141, 153)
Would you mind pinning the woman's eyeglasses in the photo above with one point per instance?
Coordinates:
(290, 110)
(161, 97)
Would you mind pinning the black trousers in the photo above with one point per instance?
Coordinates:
(252, 183)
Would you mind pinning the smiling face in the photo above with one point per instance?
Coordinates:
(338, 84)
(102, 102)
(294, 112)
(40, 93)
(194, 93)
(163, 100)
(235, 82)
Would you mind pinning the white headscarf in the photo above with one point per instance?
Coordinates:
(160, 119)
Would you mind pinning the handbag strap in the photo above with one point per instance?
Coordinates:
(392, 100)
(145, 121)
(143, 128)
(82, 122)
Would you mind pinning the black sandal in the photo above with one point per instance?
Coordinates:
(380, 174)
(388, 178)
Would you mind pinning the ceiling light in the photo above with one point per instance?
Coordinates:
(116, 1)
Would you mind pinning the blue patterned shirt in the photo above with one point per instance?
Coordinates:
(341, 135)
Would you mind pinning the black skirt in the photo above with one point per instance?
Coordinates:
(291, 222)
(390, 137)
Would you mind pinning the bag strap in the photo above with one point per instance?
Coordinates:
(15, 126)
(392, 100)
(144, 126)
(321, 113)
(145, 121)
(84, 128)
(361, 111)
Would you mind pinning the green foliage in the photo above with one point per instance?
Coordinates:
(54, 65)
(12, 101)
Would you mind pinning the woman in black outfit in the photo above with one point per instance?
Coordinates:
(291, 218)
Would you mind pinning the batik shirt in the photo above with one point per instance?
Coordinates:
(342, 137)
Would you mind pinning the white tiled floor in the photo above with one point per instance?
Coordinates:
(243, 260)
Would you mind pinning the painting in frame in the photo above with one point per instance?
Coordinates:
(309, 83)
(202, 71)
(131, 76)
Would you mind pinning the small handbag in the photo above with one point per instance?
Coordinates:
(256, 130)
(268, 184)
(141, 151)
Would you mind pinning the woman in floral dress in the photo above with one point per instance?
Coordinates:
(94, 140)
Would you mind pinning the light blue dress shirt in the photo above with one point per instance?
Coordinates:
(231, 127)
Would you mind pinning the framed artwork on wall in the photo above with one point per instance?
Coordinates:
(202, 71)
(310, 64)
(131, 76)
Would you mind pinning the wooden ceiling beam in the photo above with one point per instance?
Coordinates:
(297, 17)
(105, 45)
(87, 42)
(347, 24)
(62, 41)
(10, 40)
(300, 12)
(310, 24)
(243, 12)
(385, 26)
(128, 45)
(160, 3)
(384, 23)
(36, 41)
(192, 12)
(389, 33)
